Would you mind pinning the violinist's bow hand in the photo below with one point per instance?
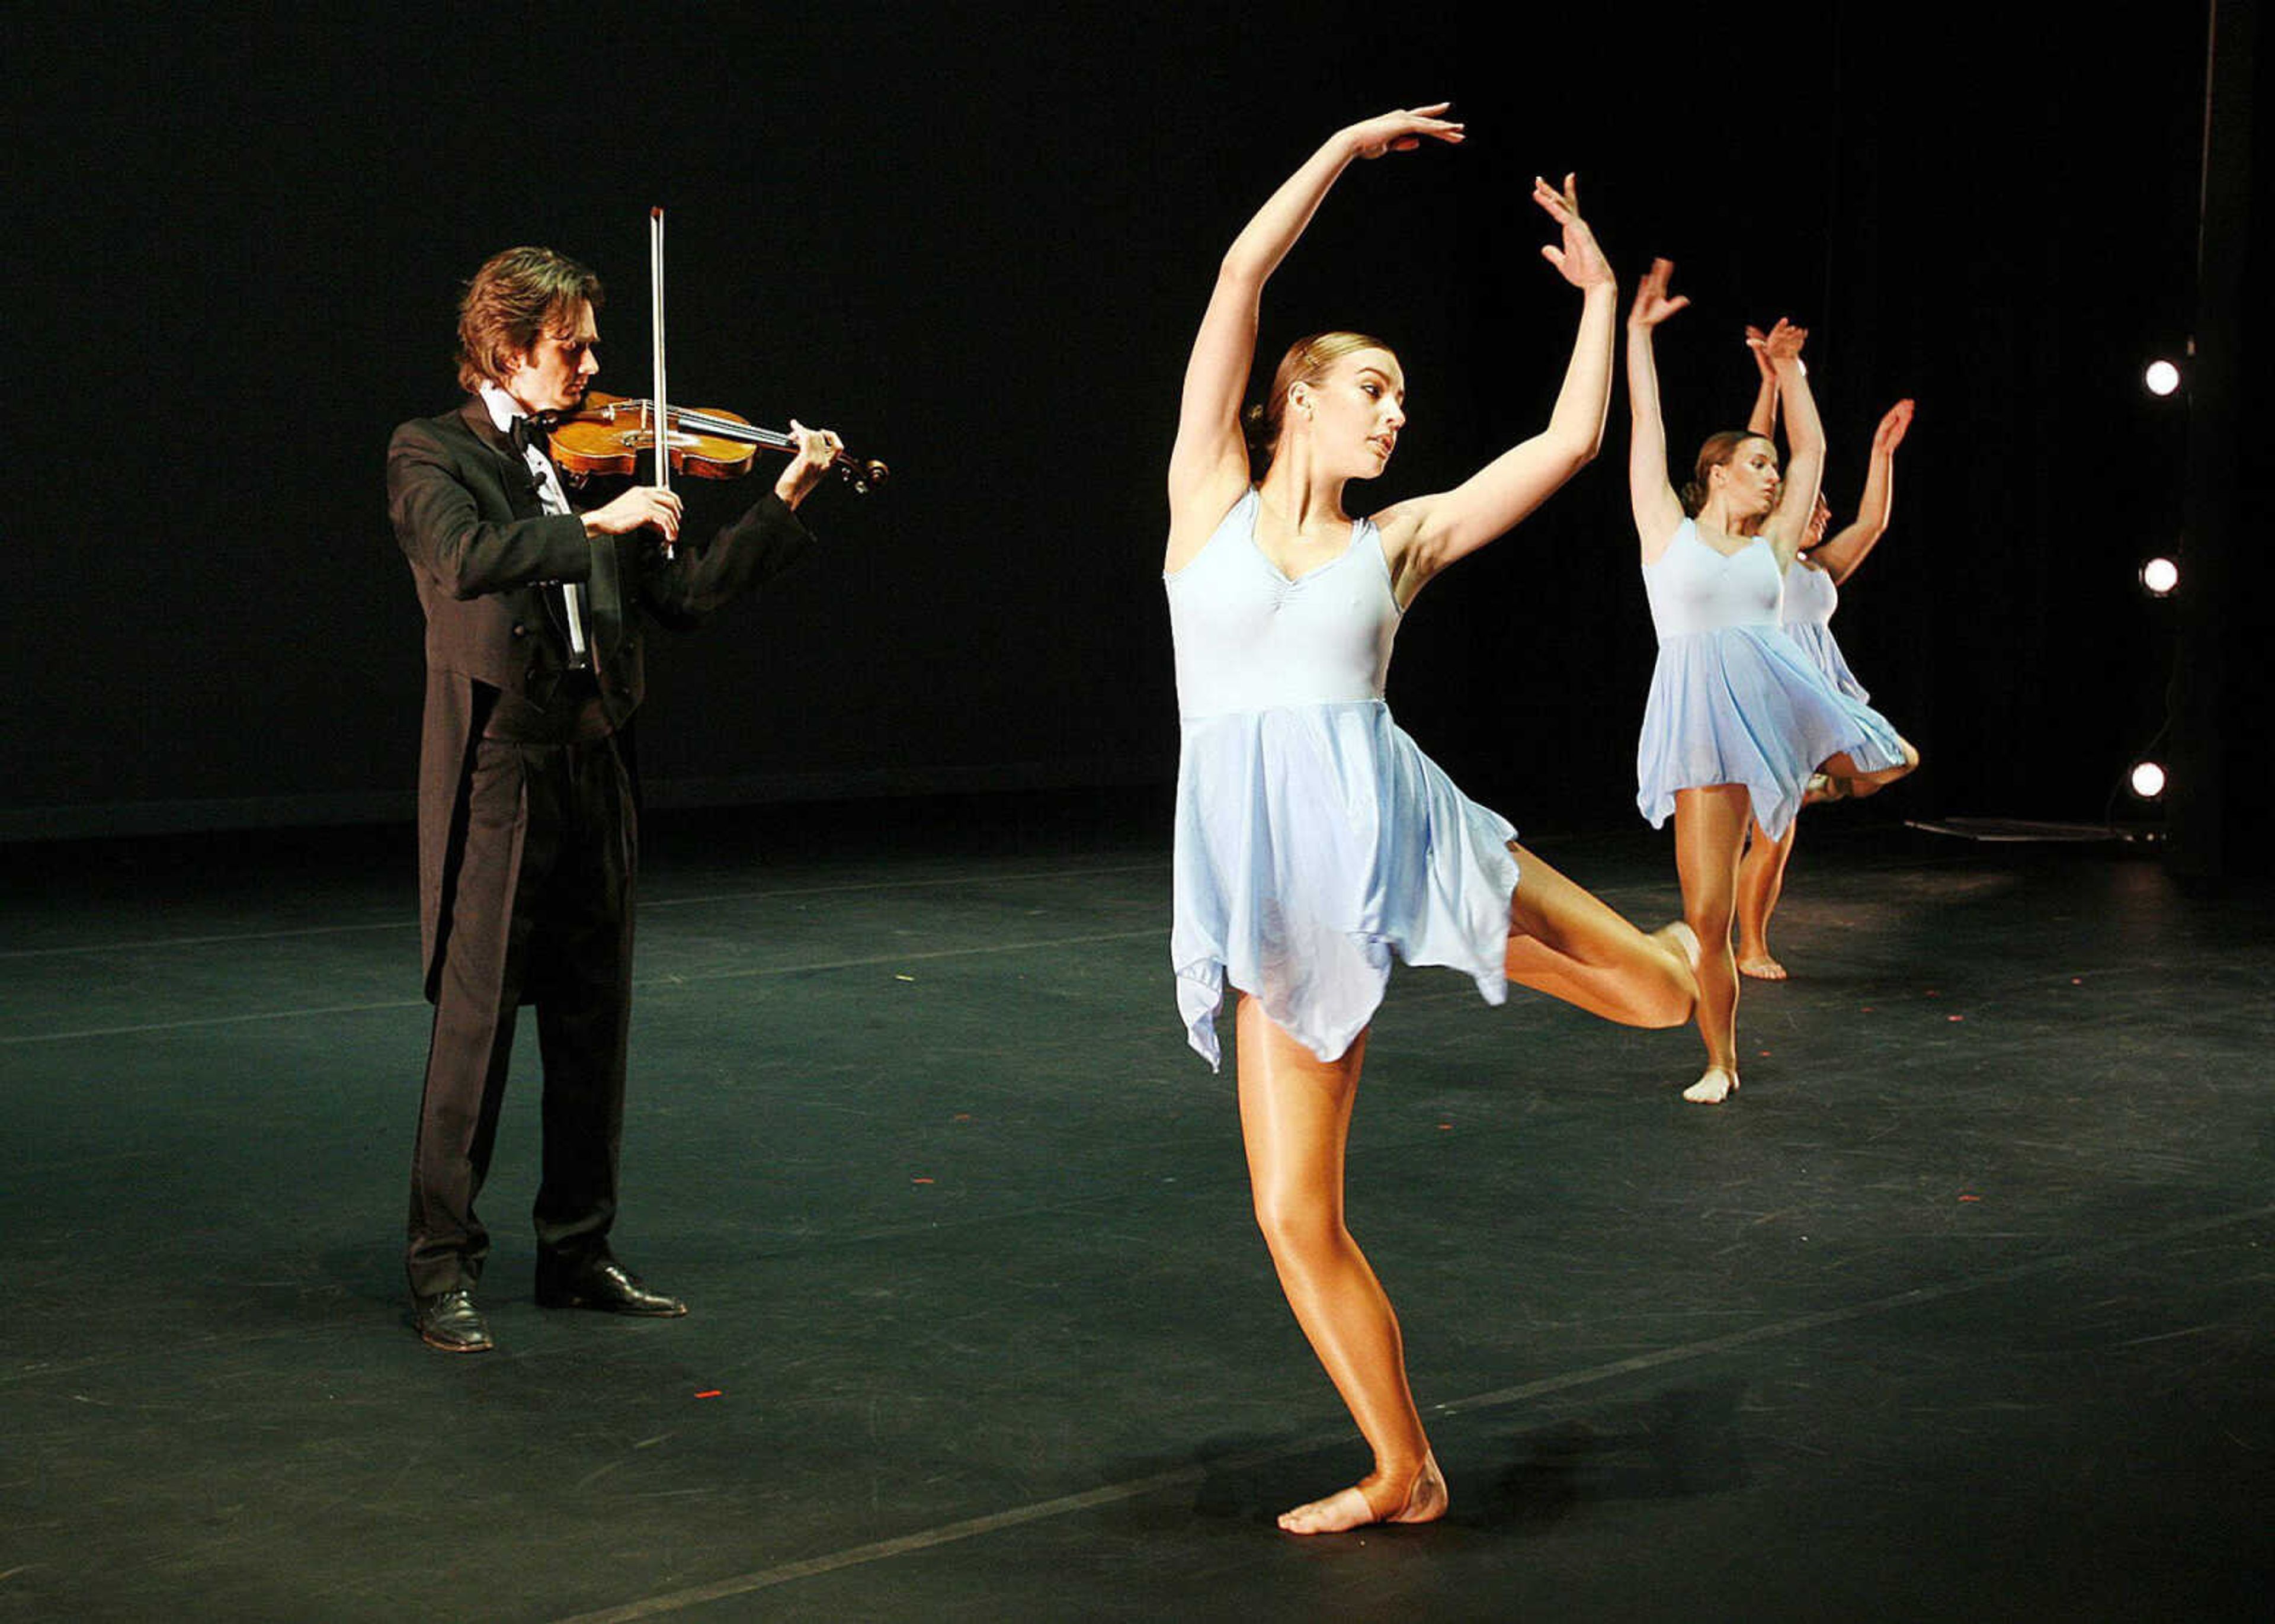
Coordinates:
(643, 504)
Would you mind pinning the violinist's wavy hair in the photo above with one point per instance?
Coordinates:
(515, 298)
(1307, 361)
(1716, 453)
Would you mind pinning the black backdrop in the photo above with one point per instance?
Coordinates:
(975, 239)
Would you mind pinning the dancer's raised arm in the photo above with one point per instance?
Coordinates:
(1763, 419)
(1657, 510)
(1804, 434)
(1208, 466)
(1423, 535)
(1840, 556)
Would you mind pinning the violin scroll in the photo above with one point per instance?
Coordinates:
(863, 473)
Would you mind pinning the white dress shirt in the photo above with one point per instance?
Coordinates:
(504, 408)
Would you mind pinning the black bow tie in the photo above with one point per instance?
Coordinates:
(526, 432)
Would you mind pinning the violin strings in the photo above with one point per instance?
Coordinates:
(724, 429)
(728, 429)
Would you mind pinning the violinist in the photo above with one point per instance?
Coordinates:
(528, 828)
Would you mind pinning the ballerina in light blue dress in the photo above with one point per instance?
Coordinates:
(1812, 593)
(1315, 841)
(1738, 719)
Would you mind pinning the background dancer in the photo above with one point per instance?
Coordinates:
(1313, 839)
(1737, 718)
(1812, 583)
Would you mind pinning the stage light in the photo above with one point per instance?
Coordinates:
(2148, 780)
(2160, 576)
(2162, 377)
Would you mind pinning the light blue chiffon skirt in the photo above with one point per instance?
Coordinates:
(1823, 651)
(1312, 843)
(1744, 706)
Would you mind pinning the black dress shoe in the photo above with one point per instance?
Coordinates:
(610, 1289)
(450, 1320)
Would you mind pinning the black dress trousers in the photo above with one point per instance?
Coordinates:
(541, 914)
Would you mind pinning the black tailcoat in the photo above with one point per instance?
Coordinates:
(466, 510)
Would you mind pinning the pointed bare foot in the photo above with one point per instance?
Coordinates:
(1760, 966)
(1425, 1501)
(1715, 1085)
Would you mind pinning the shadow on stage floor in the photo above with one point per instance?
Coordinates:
(1961, 1309)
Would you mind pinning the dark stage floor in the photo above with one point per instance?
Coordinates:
(1962, 1311)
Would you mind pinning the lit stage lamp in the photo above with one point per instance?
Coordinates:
(2147, 780)
(2162, 377)
(2159, 576)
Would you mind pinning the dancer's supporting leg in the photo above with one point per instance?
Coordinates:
(1295, 1118)
(1709, 826)
(1564, 942)
(1761, 881)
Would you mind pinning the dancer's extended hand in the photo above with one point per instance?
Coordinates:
(1782, 345)
(1890, 434)
(1580, 261)
(1755, 340)
(1402, 130)
(1652, 303)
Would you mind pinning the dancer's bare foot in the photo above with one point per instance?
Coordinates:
(1715, 1085)
(1760, 966)
(1424, 1501)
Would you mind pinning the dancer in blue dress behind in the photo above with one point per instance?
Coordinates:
(1812, 592)
(1738, 719)
(1314, 841)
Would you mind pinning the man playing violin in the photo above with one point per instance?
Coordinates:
(528, 826)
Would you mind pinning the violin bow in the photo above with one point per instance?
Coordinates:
(662, 426)
(863, 473)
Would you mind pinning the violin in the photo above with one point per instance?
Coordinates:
(609, 433)
(606, 435)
